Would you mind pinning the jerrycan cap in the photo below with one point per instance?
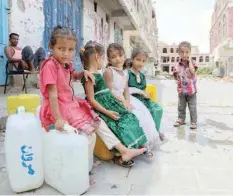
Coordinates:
(21, 110)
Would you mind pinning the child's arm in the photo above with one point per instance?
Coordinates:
(175, 72)
(108, 77)
(127, 103)
(90, 95)
(127, 94)
(77, 75)
(191, 67)
(80, 75)
(53, 99)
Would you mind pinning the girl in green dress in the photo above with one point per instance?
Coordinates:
(123, 123)
(137, 86)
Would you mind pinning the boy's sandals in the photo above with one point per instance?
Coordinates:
(193, 126)
(179, 123)
(126, 164)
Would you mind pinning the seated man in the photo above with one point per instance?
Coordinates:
(23, 59)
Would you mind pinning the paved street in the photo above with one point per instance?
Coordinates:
(188, 163)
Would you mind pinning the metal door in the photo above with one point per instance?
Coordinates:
(67, 13)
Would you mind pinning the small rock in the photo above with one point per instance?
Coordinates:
(114, 186)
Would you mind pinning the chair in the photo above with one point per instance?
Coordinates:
(25, 74)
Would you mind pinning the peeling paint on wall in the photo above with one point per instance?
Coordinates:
(27, 19)
(98, 29)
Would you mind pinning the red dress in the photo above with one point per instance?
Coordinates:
(77, 112)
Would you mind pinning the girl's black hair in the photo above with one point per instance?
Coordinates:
(90, 48)
(138, 51)
(185, 44)
(114, 46)
(127, 63)
(62, 32)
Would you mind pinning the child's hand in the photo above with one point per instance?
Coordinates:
(89, 76)
(59, 124)
(146, 95)
(113, 115)
(130, 107)
(127, 106)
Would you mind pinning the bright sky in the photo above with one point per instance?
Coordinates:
(189, 20)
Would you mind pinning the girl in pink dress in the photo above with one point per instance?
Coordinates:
(60, 106)
(59, 103)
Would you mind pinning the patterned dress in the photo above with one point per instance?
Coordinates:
(127, 128)
(154, 108)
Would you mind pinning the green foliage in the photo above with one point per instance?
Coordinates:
(204, 71)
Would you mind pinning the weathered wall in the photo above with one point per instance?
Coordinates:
(27, 19)
(95, 26)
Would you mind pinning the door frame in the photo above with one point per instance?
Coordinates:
(3, 38)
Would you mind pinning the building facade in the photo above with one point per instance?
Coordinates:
(169, 57)
(145, 35)
(130, 23)
(221, 37)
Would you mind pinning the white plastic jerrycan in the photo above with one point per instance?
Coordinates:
(23, 148)
(38, 112)
(91, 140)
(66, 161)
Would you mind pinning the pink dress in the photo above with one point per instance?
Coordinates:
(77, 112)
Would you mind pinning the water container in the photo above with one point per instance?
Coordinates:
(91, 141)
(152, 90)
(23, 148)
(66, 161)
(29, 101)
(38, 112)
(101, 151)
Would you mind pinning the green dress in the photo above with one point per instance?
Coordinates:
(127, 128)
(154, 108)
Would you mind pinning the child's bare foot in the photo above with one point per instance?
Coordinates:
(131, 153)
(97, 163)
(91, 181)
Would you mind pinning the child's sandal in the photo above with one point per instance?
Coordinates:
(147, 154)
(126, 164)
(179, 123)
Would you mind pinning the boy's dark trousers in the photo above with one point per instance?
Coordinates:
(192, 104)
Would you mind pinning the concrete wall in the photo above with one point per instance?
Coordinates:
(230, 22)
(27, 19)
(222, 24)
(93, 28)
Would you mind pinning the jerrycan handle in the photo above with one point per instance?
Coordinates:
(21, 110)
(67, 128)
(70, 129)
